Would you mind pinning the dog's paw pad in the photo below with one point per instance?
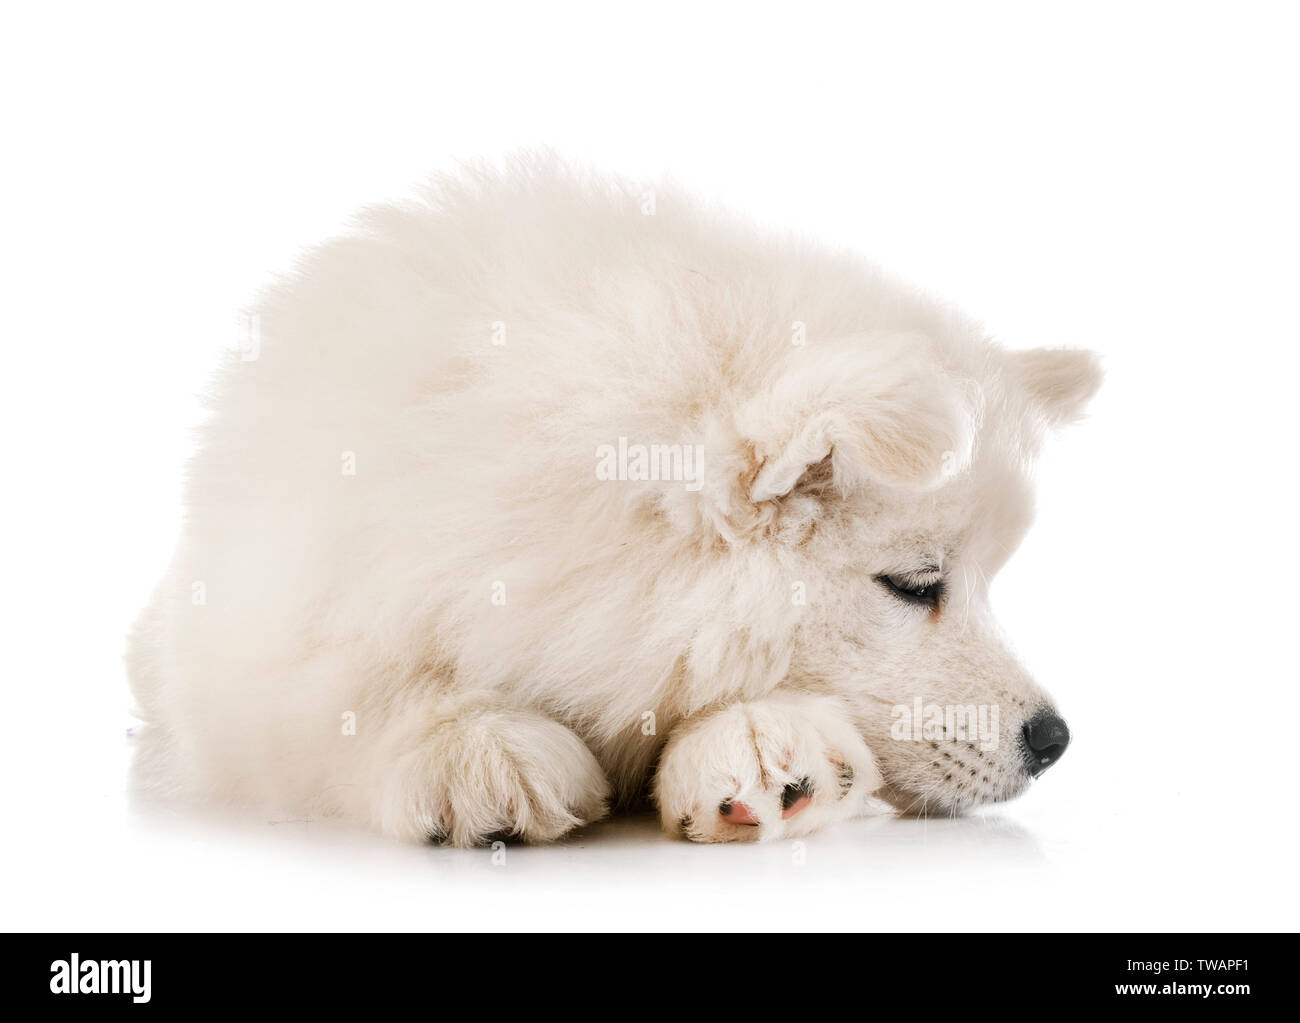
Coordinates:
(734, 812)
(796, 797)
(504, 837)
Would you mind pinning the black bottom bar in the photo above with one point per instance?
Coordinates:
(1029, 974)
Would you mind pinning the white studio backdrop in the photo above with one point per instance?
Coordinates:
(1116, 176)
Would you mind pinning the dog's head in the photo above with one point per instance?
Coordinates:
(880, 486)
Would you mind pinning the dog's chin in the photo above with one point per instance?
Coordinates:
(908, 802)
(940, 800)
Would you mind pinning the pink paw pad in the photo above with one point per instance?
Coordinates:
(795, 798)
(737, 813)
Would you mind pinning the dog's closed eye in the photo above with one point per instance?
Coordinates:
(924, 589)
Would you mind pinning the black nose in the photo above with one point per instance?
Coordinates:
(1045, 740)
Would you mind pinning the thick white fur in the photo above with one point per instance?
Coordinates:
(643, 623)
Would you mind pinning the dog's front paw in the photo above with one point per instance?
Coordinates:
(495, 774)
(774, 768)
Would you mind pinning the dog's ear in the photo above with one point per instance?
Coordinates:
(888, 417)
(1059, 381)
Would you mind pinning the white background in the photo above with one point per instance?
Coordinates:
(1122, 177)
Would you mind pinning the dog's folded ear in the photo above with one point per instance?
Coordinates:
(1058, 381)
(884, 416)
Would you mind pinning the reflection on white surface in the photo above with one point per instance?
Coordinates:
(1047, 862)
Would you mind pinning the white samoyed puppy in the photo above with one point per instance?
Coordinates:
(540, 493)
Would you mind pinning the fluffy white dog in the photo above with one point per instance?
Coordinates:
(541, 493)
